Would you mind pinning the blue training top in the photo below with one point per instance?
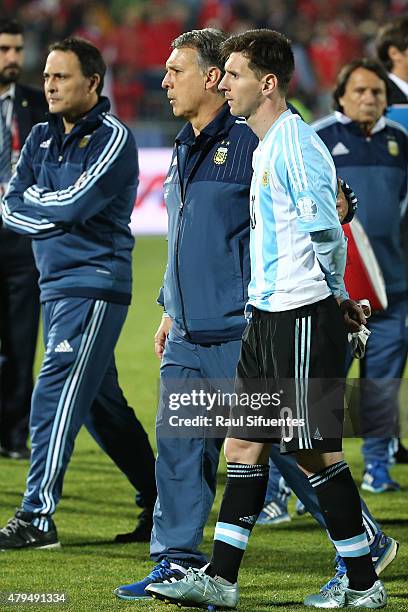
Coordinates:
(74, 194)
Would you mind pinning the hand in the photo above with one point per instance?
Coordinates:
(353, 315)
(341, 202)
(161, 336)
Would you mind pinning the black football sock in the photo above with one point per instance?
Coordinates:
(340, 503)
(241, 505)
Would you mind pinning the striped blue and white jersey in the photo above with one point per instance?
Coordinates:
(293, 193)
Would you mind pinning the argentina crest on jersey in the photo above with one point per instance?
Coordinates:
(393, 148)
(220, 156)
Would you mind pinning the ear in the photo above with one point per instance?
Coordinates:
(94, 81)
(213, 78)
(394, 53)
(270, 84)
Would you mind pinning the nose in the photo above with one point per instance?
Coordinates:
(369, 96)
(13, 55)
(49, 85)
(222, 85)
(166, 81)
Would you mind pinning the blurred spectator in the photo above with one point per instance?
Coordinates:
(134, 36)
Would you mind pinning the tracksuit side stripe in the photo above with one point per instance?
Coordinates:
(65, 407)
(369, 527)
(68, 196)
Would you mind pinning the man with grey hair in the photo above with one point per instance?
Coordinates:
(203, 294)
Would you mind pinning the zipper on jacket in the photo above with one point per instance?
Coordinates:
(203, 152)
(180, 218)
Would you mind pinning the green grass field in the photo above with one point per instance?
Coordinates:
(282, 564)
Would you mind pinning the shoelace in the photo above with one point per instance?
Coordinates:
(162, 571)
(13, 525)
(340, 571)
(336, 589)
(194, 574)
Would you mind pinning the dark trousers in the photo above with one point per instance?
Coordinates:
(19, 314)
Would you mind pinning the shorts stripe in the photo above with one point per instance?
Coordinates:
(302, 364)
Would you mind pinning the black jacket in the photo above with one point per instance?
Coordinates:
(30, 107)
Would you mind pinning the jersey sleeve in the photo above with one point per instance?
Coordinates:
(309, 176)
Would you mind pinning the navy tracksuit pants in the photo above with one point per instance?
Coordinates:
(78, 385)
(381, 371)
(186, 468)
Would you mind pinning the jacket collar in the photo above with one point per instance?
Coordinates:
(221, 124)
(341, 118)
(86, 124)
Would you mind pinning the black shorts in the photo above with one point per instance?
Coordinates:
(298, 357)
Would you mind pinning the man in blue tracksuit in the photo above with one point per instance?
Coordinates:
(204, 293)
(371, 153)
(73, 192)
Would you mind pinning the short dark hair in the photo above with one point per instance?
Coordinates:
(10, 26)
(207, 43)
(267, 51)
(346, 72)
(394, 33)
(90, 58)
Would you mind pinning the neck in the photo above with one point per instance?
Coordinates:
(69, 121)
(366, 128)
(266, 115)
(401, 73)
(206, 115)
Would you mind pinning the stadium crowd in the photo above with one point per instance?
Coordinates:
(135, 37)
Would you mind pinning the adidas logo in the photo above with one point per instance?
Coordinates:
(340, 149)
(249, 519)
(63, 347)
(317, 435)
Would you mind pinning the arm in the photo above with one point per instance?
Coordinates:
(161, 335)
(12, 207)
(330, 247)
(110, 163)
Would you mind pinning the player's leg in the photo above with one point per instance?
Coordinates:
(383, 548)
(340, 502)
(323, 460)
(115, 427)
